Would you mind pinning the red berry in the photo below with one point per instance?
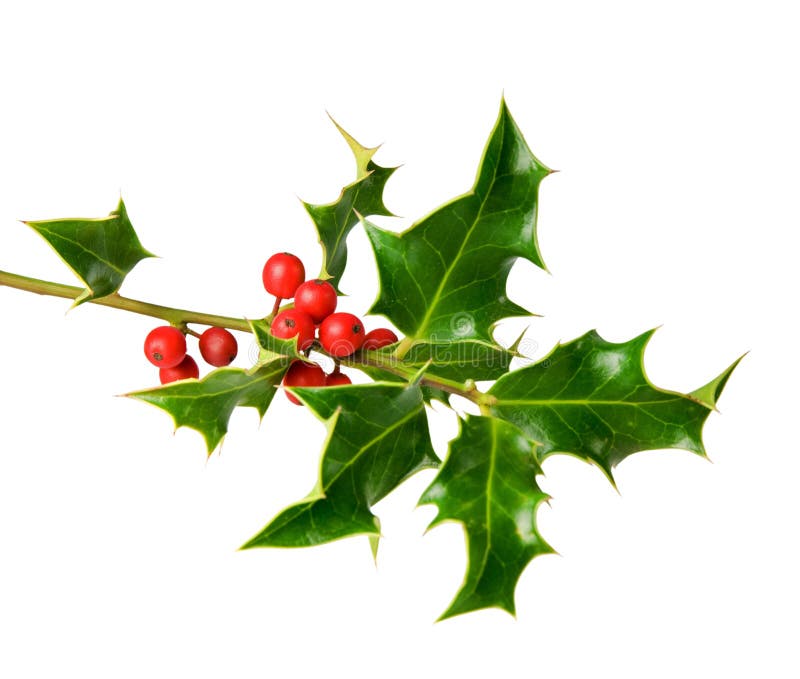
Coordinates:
(165, 346)
(341, 334)
(317, 298)
(282, 275)
(218, 347)
(302, 374)
(183, 371)
(378, 338)
(292, 322)
(337, 379)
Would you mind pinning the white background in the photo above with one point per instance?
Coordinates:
(675, 127)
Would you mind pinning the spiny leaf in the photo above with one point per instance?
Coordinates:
(206, 405)
(363, 154)
(445, 277)
(591, 398)
(334, 221)
(377, 437)
(488, 483)
(709, 393)
(101, 251)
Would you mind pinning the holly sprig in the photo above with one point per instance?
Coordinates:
(443, 285)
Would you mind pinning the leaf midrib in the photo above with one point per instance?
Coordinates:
(209, 394)
(488, 505)
(449, 270)
(341, 230)
(82, 247)
(587, 402)
(346, 467)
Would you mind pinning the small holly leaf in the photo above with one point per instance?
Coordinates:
(488, 483)
(460, 360)
(271, 348)
(334, 221)
(458, 257)
(377, 437)
(206, 405)
(591, 398)
(101, 252)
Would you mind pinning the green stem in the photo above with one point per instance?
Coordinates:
(180, 317)
(177, 317)
(391, 365)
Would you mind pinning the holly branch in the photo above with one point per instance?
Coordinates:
(443, 287)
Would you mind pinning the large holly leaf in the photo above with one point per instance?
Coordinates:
(334, 221)
(591, 398)
(488, 483)
(445, 277)
(101, 251)
(206, 405)
(377, 437)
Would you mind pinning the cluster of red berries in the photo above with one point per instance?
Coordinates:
(314, 317)
(165, 348)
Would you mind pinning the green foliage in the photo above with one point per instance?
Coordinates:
(487, 483)
(377, 438)
(271, 348)
(334, 221)
(460, 360)
(101, 251)
(206, 405)
(443, 284)
(591, 398)
(444, 279)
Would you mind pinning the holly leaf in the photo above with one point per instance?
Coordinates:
(101, 252)
(591, 398)
(335, 220)
(458, 257)
(488, 483)
(460, 360)
(377, 437)
(206, 405)
(271, 348)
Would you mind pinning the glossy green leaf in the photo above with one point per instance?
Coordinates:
(271, 348)
(377, 437)
(460, 360)
(101, 251)
(445, 277)
(488, 483)
(206, 405)
(334, 221)
(591, 398)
